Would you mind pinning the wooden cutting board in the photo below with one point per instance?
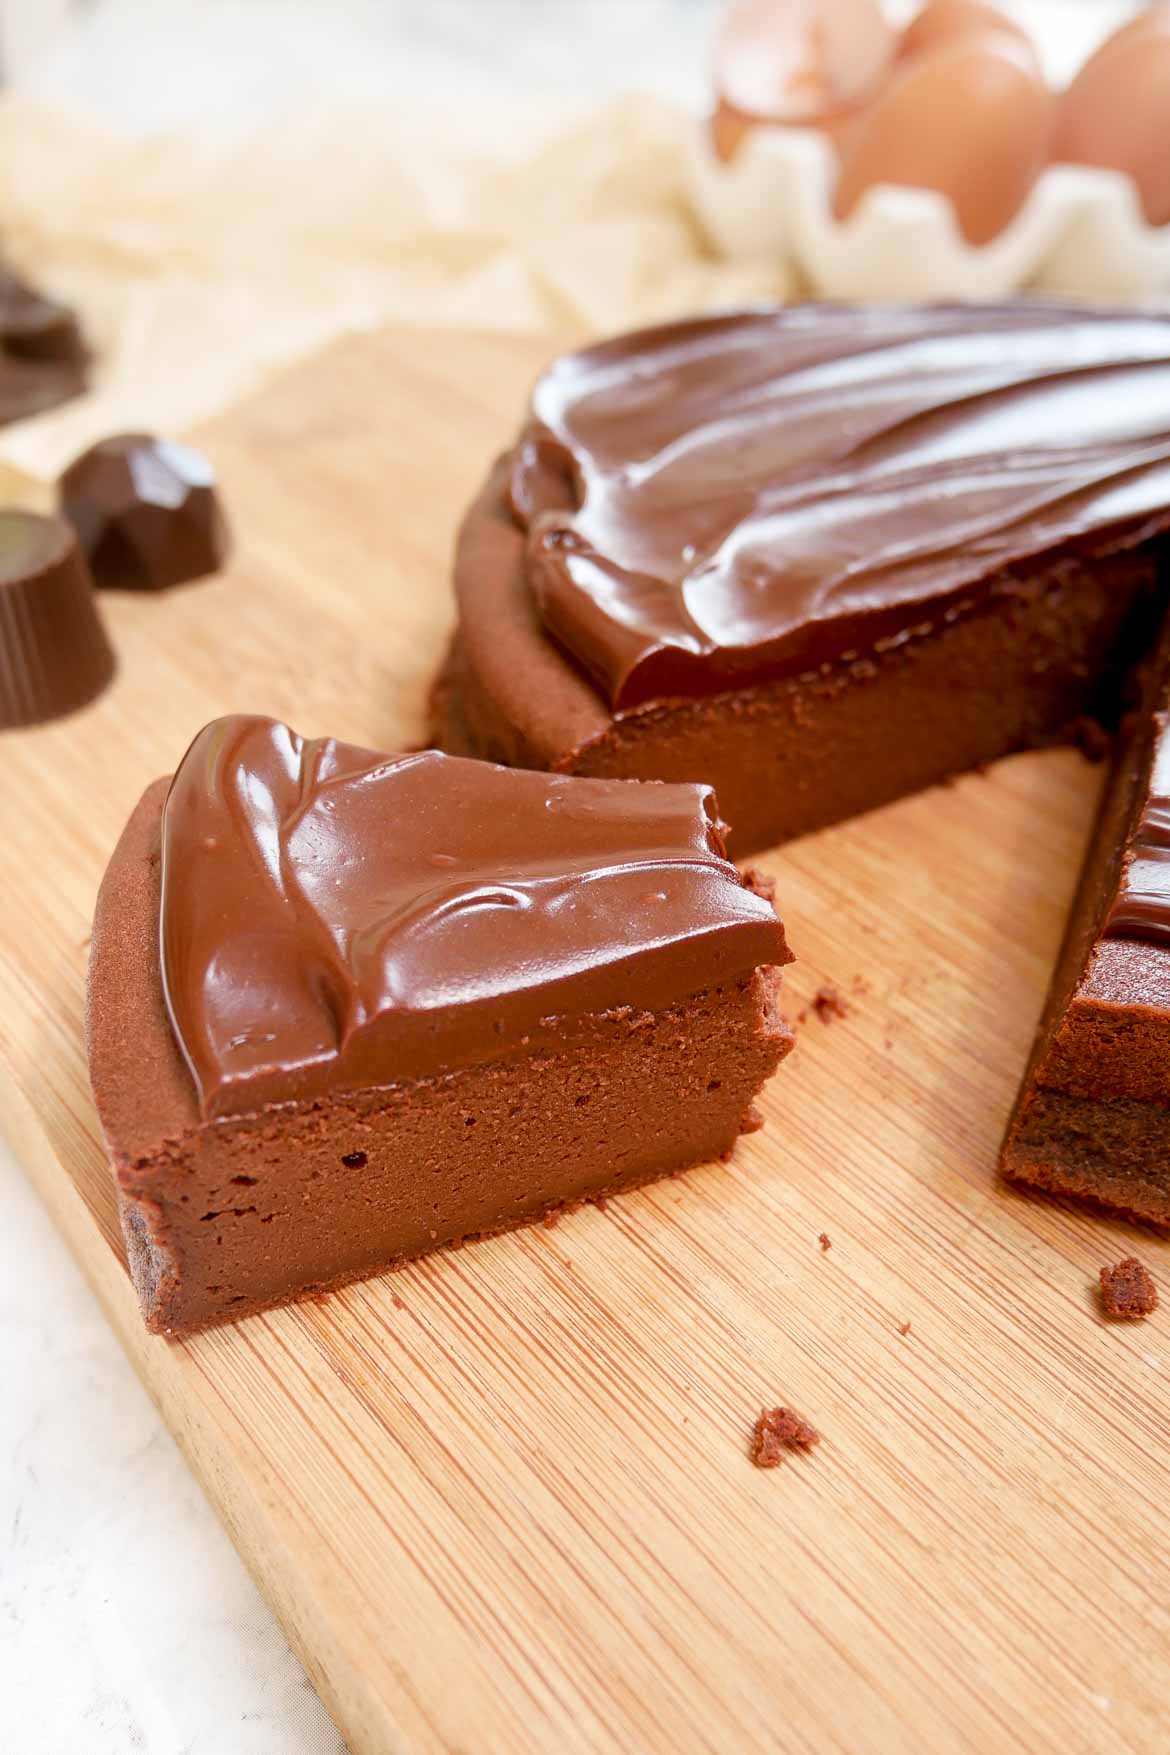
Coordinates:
(501, 1500)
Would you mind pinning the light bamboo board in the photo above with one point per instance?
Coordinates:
(501, 1500)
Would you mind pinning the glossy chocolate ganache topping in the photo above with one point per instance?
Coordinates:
(333, 919)
(1141, 907)
(743, 497)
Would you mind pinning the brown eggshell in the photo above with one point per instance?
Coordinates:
(971, 119)
(942, 21)
(1149, 19)
(800, 61)
(1116, 112)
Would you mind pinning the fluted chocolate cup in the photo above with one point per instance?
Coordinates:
(54, 652)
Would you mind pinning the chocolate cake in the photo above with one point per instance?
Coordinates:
(1093, 1115)
(817, 557)
(345, 1007)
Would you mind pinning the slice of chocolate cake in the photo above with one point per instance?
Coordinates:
(345, 1007)
(816, 557)
(1093, 1115)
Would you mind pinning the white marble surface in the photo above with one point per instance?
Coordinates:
(127, 1623)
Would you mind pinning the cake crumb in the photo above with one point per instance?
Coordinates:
(752, 1119)
(1127, 1291)
(398, 1303)
(778, 1430)
(903, 1328)
(828, 1002)
(825, 1241)
(600, 1202)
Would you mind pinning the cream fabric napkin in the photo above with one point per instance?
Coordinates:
(200, 264)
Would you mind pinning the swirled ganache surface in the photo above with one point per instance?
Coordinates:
(720, 501)
(332, 918)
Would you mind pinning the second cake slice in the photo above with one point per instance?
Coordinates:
(347, 1007)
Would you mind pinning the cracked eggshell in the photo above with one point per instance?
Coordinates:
(800, 61)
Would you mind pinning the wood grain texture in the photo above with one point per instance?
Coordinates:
(501, 1500)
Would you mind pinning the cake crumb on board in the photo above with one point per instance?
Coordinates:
(825, 1241)
(778, 1430)
(1127, 1290)
(903, 1328)
(828, 1002)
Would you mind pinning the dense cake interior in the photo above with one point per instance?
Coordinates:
(1093, 1115)
(266, 1207)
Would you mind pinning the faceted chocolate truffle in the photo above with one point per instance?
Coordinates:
(145, 511)
(54, 654)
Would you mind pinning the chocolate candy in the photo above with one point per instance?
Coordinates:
(145, 511)
(33, 327)
(54, 654)
(42, 353)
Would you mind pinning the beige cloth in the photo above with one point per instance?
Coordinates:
(199, 265)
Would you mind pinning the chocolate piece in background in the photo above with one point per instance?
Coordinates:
(146, 512)
(54, 653)
(43, 356)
